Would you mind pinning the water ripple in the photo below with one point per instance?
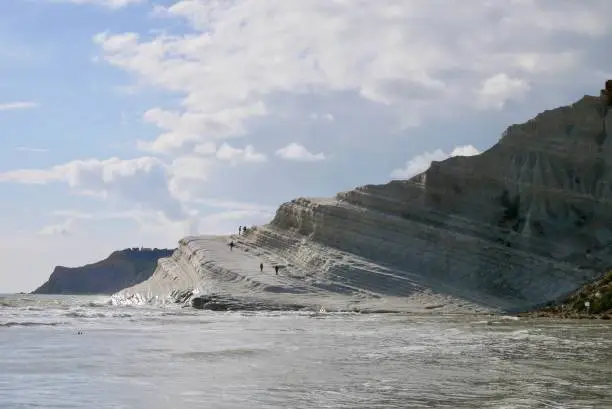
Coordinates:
(65, 353)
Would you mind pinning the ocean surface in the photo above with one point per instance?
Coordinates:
(82, 352)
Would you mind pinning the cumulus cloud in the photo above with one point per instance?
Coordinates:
(411, 56)
(499, 89)
(421, 163)
(191, 128)
(238, 155)
(297, 152)
(8, 106)
(187, 174)
(141, 181)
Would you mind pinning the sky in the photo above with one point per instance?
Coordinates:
(138, 122)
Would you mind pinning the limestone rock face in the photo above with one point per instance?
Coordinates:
(524, 223)
(521, 224)
(121, 269)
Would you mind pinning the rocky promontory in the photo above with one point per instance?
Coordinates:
(524, 224)
(121, 269)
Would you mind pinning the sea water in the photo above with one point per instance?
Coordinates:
(82, 352)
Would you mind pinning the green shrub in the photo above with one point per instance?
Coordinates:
(602, 304)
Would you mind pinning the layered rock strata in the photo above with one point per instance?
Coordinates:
(520, 225)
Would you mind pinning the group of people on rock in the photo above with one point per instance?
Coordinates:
(243, 229)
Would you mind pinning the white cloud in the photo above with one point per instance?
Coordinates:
(187, 175)
(142, 181)
(411, 56)
(111, 4)
(498, 89)
(238, 155)
(161, 193)
(421, 163)
(190, 167)
(7, 106)
(297, 152)
(194, 128)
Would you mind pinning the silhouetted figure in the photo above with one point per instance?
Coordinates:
(239, 230)
(261, 267)
(276, 269)
(231, 245)
(244, 230)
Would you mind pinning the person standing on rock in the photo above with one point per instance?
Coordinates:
(239, 230)
(261, 267)
(276, 269)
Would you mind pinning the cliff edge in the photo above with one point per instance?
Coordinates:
(121, 269)
(525, 223)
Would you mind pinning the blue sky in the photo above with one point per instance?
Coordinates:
(134, 122)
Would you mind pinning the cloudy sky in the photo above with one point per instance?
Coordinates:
(135, 122)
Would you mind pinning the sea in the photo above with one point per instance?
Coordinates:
(83, 352)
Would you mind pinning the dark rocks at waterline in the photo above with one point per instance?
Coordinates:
(218, 303)
(225, 303)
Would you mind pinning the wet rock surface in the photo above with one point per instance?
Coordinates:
(219, 303)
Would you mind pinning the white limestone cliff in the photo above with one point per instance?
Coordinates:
(517, 226)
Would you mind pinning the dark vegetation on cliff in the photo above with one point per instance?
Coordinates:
(598, 295)
(120, 270)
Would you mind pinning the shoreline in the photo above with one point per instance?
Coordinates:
(564, 315)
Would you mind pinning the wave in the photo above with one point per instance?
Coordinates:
(29, 324)
(30, 308)
(97, 304)
(89, 314)
(83, 314)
